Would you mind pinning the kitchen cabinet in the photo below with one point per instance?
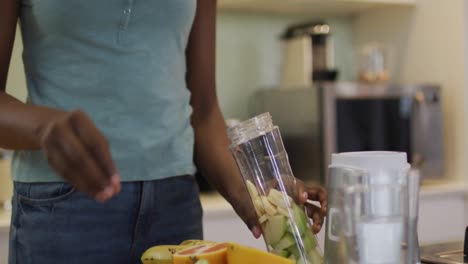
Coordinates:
(310, 7)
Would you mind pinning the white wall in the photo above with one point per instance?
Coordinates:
(249, 55)
(429, 46)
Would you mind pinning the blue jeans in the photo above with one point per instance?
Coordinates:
(54, 223)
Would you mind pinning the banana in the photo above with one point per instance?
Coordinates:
(269, 208)
(160, 254)
(257, 202)
(263, 219)
(163, 254)
(252, 189)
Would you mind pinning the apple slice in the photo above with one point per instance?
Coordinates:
(279, 199)
(274, 229)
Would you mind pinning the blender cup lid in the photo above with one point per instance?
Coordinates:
(371, 160)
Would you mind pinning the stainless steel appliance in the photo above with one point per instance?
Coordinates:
(448, 253)
(342, 117)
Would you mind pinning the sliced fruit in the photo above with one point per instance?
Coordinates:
(315, 256)
(309, 241)
(282, 253)
(238, 254)
(202, 261)
(252, 189)
(285, 242)
(300, 218)
(294, 251)
(279, 199)
(302, 260)
(269, 208)
(258, 204)
(193, 242)
(214, 254)
(283, 211)
(263, 219)
(289, 228)
(274, 229)
(160, 254)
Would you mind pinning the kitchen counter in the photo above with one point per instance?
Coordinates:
(214, 204)
(217, 209)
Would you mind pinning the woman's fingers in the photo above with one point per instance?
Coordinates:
(314, 193)
(80, 154)
(315, 213)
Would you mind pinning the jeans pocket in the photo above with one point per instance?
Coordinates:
(37, 194)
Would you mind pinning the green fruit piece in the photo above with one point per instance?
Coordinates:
(300, 218)
(275, 228)
(309, 241)
(282, 253)
(285, 242)
(283, 211)
(294, 251)
(315, 256)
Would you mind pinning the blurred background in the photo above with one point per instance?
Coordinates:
(339, 75)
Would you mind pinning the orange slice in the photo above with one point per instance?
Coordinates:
(193, 242)
(214, 254)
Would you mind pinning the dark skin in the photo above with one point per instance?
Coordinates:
(80, 153)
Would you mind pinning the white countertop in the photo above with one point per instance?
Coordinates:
(215, 205)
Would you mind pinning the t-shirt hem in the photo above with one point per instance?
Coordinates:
(178, 170)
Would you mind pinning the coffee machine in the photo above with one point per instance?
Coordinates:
(308, 54)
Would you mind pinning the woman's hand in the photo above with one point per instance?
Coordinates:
(79, 153)
(313, 193)
(244, 208)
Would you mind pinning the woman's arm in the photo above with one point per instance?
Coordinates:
(73, 145)
(212, 154)
(18, 126)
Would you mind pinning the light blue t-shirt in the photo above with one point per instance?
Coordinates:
(123, 63)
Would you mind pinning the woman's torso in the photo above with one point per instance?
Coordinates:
(123, 63)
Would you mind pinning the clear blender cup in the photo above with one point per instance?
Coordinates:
(259, 152)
